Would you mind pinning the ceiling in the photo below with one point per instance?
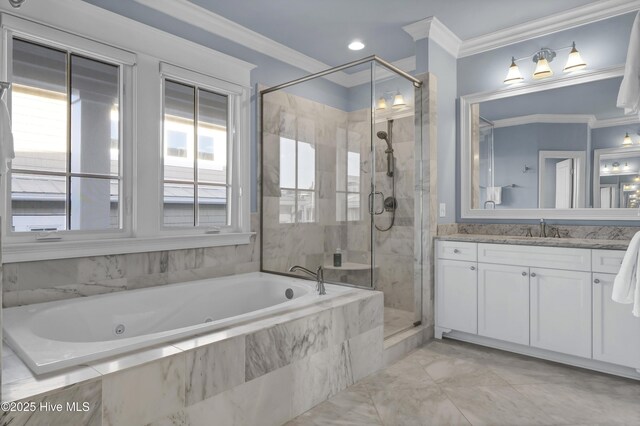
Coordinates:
(322, 29)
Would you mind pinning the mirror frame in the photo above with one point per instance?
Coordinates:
(466, 162)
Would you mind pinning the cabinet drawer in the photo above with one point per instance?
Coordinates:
(535, 256)
(455, 250)
(607, 261)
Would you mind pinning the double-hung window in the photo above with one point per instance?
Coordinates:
(67, 112)
(200, 184)
(297, 181)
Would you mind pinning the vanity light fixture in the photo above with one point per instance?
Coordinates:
(356, 45)
(513, 75)
(542, 59)
(626, 166)
(390, 98)
(398, 100)
(636, 179)
(605, 169)
(616, 167)
(627, 140)
(574, 61)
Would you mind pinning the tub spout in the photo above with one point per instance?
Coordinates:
(318, 275)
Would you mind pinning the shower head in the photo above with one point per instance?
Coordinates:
(385, 137)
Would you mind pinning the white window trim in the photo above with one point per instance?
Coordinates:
(50, 37)
(237, 158)
(144, 48)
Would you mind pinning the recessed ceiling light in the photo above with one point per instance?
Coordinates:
(356, 45)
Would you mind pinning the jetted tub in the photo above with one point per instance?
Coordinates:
(55, 335)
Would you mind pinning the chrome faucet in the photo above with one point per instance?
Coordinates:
(318, 275)
(543, 229)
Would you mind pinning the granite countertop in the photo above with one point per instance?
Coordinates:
(537, 241)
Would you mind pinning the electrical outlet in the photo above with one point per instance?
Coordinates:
(443, 209)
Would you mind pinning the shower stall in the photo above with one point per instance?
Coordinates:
(341, 182)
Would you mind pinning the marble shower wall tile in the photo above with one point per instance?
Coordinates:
(44, 281)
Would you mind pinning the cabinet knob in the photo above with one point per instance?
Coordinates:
(473, 268)
(533, 274)
(524, 274)
(597, 281)
(456, 251)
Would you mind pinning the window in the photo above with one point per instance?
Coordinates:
(196, 176)
(348, 194)
(297, 181)
(66, 121)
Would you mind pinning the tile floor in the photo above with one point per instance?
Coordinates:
(453, 383)
(396, 320)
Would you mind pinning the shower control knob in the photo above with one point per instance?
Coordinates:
(597, 281)
(456, 251)
(533, 274)
(473, 268)
(524, 274)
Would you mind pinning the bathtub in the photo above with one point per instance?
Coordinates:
(56, 335)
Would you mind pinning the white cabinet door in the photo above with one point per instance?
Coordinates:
(503, 302)
(457, 295)
(616, 332)
(561, 311)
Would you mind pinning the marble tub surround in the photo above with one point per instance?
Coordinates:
(264, 372)
(25, 283)
(535, 241)
(453, 383)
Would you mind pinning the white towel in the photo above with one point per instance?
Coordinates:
(629, 94)
(494, 193)
(6, 138)
(626, 286)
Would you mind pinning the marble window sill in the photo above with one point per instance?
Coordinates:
(34, 251)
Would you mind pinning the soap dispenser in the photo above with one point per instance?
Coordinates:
(337, 258)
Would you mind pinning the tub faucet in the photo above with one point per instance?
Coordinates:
(318, 275)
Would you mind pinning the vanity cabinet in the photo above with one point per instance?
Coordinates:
(457, 306)
(503, 302)
(561, 311)
(549, 302)
(616, 333)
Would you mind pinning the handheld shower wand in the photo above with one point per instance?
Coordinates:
(387, 137)
(390, 203)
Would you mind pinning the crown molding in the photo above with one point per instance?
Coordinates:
(545, 118)
(575, 17)
(435, 30)
(618, 121)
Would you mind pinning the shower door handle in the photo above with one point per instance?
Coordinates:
(372, 202)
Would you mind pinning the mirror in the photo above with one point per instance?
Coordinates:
(552, 149)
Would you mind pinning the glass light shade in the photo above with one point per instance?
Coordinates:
(543, 70)
(627, 140)
(575, 61)
(382, 104)
(626, 166)
(514, 75)
(398, 101)
(616, 167)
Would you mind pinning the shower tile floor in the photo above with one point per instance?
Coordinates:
(453, 383)
(396, 320)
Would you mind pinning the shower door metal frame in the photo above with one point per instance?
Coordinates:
(373, 59)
